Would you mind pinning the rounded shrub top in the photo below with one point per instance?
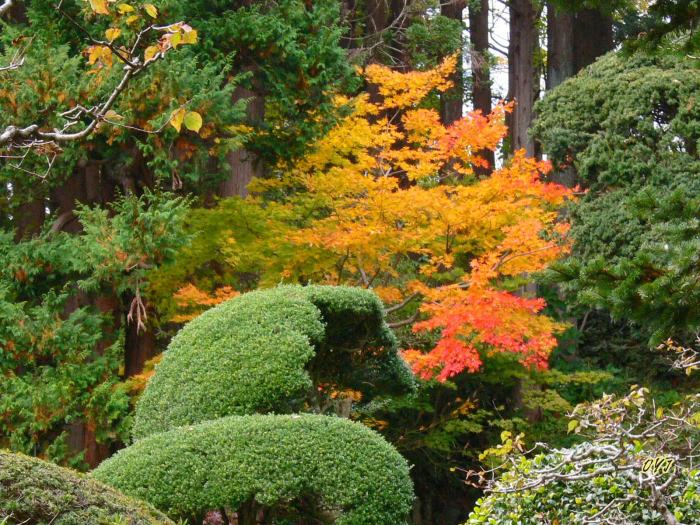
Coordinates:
(253, 354)
(349, 469)
(626, 121)
(41, 493)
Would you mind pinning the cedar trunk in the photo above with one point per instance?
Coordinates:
(522, 73)
(452, 101)
(481, 74)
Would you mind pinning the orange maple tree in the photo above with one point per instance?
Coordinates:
(393, 203)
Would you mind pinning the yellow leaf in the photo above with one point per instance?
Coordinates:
(193, 121)
(113, 33)
(99, 7)
(133, 18)
(176, 119)
(190, 37)
(113, 115)
(150, 52)
(151, 10)
(573, 425)
(125, 8)
(176, 39)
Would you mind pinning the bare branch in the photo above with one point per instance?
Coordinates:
(5, 7)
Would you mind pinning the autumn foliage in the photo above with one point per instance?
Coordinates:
(394, 203)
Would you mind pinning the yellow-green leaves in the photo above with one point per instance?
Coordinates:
(113, 33)
(151, 10)
(191, 119)
(150, 52)
(124, 8)
(99, 7)
(189, 37)
(572, 426)
(176, 119)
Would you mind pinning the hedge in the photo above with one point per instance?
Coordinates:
(257, 353)
(36, 492)
(274, 459)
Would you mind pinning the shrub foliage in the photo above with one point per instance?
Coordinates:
(41, 493)
(205, 438)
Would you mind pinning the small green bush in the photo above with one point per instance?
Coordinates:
(36, 492)
(264, 351)
(273, 459)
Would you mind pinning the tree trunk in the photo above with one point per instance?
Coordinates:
(452, 101)
(593, 37)
(481, 73)
(245, 165)
(29, 217)
(399, 19)
(560, 46)
(574, 41)
(522, 74)
(139, 347)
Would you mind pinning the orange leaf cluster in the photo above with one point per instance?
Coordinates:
(194, 301)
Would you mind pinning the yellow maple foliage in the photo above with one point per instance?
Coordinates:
(394, 203)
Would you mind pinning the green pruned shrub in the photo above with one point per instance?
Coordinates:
(576, 501)
(262, 352)
(36, 492)
(350, 470)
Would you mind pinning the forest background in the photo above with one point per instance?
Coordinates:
(532, 252)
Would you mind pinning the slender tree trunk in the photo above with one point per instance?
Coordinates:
(452, 101)
(522, 74)
(481, 71)
(377, 16)
(479, 39)
(245, 165)
(399, 19)
(139, 347)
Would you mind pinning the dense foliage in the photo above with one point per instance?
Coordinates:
(462, 244)
(576, 502)
(630, 126)
(270, 351)
(248, 356)
(636, 466)
(50, 327)
(327, 464)
(222, 162)
(41, 493)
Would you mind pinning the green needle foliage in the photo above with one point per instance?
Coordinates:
(50, 327)
(632, 128)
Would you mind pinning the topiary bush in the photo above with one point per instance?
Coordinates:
(266, 351)
(36, 492)
(275, 459)
(204, 434)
